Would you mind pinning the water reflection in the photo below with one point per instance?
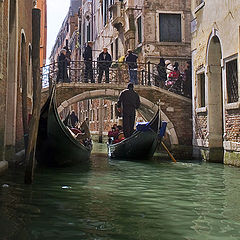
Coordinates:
(123, 200)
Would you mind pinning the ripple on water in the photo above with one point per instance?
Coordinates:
(123, 200)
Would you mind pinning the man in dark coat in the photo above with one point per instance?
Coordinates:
(162, 75)
(73, 119)
(129, 101)
(87, 56)
(131, 60)
(104, 63)
(62, 75)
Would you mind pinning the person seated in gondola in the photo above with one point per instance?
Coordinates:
(120, 135)
(82, 134)
(112, 135)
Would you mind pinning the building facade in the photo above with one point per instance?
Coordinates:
(216, 101)
(153, 29)
(15, 74)
(42, 5)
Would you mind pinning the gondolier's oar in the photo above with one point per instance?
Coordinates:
(170, 155)
(162, 132)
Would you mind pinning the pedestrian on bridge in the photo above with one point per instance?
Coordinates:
(104, 63)
(62, 75)
(131, 60)
(87, 56)
(128, 102)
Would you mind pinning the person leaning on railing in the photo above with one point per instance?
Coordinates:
(87, 56)
(131, 60)
(104, 63)
(62, 75)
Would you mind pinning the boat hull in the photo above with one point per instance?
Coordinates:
(55, 145)
(140, 146)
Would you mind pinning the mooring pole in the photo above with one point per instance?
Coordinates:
(37, 85)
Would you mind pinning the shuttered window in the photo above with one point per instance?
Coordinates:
(232, 81)
(170, 27)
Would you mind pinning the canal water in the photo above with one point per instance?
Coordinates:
(122, 200)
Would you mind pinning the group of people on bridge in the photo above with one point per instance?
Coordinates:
(104, 62)
(170, 77)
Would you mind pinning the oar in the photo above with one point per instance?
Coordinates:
(170, 155)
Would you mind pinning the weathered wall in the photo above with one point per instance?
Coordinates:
(3, 69)
(213, 20)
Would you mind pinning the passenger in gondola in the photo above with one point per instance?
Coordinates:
(73, 119)
(112, 135)
(120, 135)
(82, 133)
(128, 102)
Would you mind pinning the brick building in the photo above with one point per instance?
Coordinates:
(216, 101)
(42, 5)
(15, 74)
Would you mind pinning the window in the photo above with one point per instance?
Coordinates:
(112, 49)
(105, 12)
(105, 113)
(116, 49)
(201, 90)
(170, 27)
(139, 28)
(112, 107)
(88, 32)
(232, 81)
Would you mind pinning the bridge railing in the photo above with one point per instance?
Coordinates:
(82, 72)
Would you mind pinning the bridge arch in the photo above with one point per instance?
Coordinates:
(112, 94)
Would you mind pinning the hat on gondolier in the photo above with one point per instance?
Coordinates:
(130, 86)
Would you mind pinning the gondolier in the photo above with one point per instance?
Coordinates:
(128, 102)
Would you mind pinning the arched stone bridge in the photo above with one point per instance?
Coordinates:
(175, 109)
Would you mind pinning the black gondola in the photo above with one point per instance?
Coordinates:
(141, 145)
(56, 146)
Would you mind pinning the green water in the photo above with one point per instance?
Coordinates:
(123, 200)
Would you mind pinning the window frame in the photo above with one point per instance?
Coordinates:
(231, 105)
(181, 13)
(201, 107)
(139, 26)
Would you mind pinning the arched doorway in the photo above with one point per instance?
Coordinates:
(215, 99)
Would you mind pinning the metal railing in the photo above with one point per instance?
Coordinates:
(89, 72)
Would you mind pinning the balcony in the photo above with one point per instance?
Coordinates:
(118, 20)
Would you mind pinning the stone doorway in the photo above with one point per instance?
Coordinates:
(215, 99)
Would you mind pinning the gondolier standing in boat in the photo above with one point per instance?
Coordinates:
(128, 102)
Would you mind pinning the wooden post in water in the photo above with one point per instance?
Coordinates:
(37, 85)
(24, 91)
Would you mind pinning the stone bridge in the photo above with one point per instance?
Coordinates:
(175, 109)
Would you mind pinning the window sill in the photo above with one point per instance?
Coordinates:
(231, 106)
(200, 6)
(201, 110)
(171, 43)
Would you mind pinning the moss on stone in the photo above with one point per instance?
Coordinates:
(232, 158)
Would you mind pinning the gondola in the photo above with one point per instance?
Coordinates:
(56, 146)
(141, 145)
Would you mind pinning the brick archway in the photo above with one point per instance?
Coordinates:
(176, 109)
(113, 95)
